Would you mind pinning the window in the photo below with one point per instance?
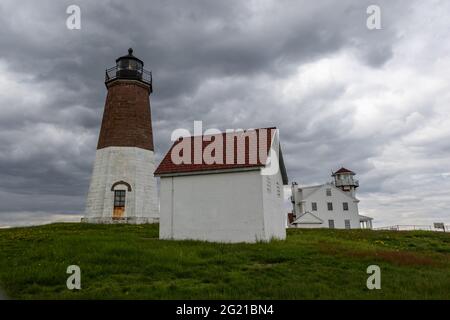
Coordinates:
(347, 224)
(119, 198)
(331, 224)
(314, 206)
(328, 192)
(345, 206)
(330, 206)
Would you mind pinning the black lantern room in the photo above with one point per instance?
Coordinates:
(129, 67)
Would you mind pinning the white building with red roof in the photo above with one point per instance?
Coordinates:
(330, 205)
(225, 187)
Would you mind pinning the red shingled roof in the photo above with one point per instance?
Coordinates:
(230, 142)
(344, 170)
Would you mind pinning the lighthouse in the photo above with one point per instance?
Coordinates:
(123, 188)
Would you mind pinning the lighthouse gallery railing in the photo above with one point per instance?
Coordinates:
(137, 74)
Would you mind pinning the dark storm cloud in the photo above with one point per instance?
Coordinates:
(223, 62)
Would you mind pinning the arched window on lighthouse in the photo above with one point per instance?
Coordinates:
(119, 204)
(120, 190)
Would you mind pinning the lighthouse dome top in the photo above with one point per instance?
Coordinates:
(129, 57)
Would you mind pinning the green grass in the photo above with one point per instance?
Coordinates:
(129, 262)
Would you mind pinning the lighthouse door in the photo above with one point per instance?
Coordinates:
(119, 204)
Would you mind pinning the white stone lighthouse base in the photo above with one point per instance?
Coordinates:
(123, 168)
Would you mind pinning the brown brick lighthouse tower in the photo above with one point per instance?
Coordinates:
(123, 188)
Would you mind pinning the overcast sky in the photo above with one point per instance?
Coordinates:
(374, 101)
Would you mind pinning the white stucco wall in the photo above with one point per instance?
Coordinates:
(338, 214)
(222, 207)
(132, 165)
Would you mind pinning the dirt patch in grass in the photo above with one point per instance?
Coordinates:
(401, 258)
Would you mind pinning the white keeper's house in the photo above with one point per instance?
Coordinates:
(330, 205)
(233, 196)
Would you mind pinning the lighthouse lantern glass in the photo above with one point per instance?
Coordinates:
(129, 68)
(129, 64)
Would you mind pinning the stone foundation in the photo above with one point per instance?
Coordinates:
(127, 220)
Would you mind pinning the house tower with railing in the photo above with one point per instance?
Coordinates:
(123, 188)
(344, 180)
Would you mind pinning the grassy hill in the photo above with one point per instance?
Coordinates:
(129, 262)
